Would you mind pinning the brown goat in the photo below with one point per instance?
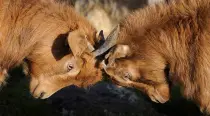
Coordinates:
(37, 31)
(53, 40)
(106, 14)
(174, 36)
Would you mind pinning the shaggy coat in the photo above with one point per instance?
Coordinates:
(174, 36)
(39, 32)
(106, 14)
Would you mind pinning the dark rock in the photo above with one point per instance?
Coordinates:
(102, 99)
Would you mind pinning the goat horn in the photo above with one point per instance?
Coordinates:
(110, 41)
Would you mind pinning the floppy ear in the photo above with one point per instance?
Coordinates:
(110, 41)
(78, 43)
(118, 51)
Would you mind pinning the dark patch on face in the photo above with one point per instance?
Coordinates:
(60, 47)
(101, 41)
(100, 58)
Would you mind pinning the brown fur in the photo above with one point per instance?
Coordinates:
(37, 31)
(174, 36)
(106, 14)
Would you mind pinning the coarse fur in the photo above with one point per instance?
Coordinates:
(38, 31)
(106, 14)
(174, 36)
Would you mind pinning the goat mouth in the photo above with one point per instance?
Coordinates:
(36, 94)
(126, 79)
(34, 90)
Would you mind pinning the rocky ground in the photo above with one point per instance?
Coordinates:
(15, 99)
(102, 99)
(106, 99)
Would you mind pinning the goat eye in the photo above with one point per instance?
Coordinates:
(127, 75)
(70, 67)
(112, 64)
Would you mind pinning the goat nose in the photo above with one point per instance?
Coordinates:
(38, 95)
(41, 95)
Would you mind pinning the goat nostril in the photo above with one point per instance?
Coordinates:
(41, 95)
(127, 76)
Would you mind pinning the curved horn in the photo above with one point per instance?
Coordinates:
(110, 42)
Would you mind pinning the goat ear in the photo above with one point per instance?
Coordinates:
(100, 40)
(118, 51)
(110, 41)
(78, 43)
